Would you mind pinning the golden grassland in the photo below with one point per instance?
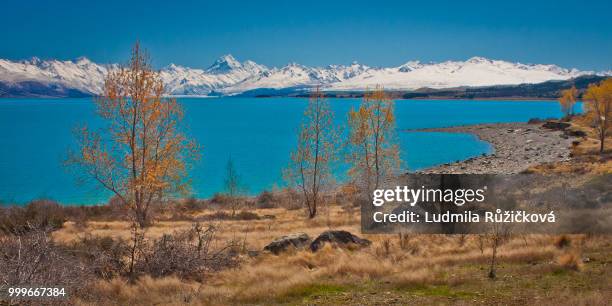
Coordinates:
(393, 270)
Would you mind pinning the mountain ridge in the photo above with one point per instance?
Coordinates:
(228, 76)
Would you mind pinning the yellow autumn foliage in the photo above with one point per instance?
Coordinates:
(141, 155)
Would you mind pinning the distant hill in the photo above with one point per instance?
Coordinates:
(544, 90)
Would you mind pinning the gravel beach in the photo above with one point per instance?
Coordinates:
(518, 146)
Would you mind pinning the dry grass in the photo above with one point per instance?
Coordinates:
(258, 233)
(271, 279)
(391, 260)
(570, 260)
(145, 291)
(585, 154)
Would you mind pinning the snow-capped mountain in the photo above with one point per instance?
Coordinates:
(296, 75)
(476, 71)
(223, 73)
(228, 76)
(52, 77)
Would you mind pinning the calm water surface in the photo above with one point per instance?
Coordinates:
(258, 135)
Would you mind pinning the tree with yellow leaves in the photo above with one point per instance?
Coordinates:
(373, 150)
(141, 157)
(567, 101)
(311, 162)
(598, 102)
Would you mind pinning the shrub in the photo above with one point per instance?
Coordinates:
(105, 256)
(40, 214)
(222, 215)
(562, 242)
(246, 215)
(32, 258)
(192, 204)
(219, 198)
(187, 254)
(266, 200)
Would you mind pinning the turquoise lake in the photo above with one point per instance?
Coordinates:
(257, 133)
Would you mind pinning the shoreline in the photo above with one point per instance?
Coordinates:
(517, 147)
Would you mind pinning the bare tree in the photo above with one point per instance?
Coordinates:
(233, 185)
(309, 170)
(499, 233)
(598, 98)
(567, 101)
(373, 151)
(141, 156)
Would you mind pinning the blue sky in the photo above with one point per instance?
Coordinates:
(378, 33)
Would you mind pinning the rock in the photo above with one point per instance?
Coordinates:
(574, 133)
(529, 141)
(554, 125)
(534, 121)
(297, 240)
(342, 238)
(586, 259)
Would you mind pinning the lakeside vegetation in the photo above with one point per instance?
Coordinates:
(146, 248)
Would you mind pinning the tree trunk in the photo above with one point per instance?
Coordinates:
(492, 273)
(141, 218)
(312, 212)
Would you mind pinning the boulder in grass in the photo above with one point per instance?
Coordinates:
(297, 240)
(340, 238)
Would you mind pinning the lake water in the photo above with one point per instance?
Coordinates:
(258, 135)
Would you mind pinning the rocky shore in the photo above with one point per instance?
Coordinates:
(517, 146)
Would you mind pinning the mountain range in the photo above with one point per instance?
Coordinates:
(227, 76)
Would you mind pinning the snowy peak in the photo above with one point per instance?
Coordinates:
(229, 76)
(479, 60)
(410, 66)
(82, 61)
(254, 67)
(224, 64)
(33, 61)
